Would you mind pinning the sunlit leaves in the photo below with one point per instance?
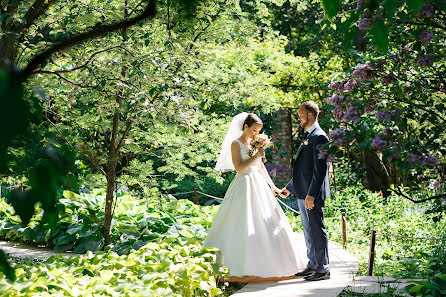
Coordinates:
(170, 258)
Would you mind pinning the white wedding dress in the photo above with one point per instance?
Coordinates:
(252, 231)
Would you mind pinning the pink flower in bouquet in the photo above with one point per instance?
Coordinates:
(261, 141)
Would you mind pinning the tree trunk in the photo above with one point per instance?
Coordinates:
(8, 50)
(113, 153)
(375, 175)
(109, 198)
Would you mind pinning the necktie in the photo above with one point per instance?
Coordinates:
(306, 135)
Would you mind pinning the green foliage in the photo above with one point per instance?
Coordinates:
(331, 7)
(136, 222)
(14, 114)
(399, 101)
(366, 211)
(434, 287)
(5, 267)
(161, 243)
(164, 268)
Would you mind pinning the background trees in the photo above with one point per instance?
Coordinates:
(145, 106)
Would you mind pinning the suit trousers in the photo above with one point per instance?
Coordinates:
(316, 238)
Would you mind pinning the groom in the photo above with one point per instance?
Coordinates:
(309, 185)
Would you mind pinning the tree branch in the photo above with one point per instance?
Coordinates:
(400, 193)
(83, 65)
(34, 12)
(126, 132)
(96, 31)
(431, 24)
(69, 81)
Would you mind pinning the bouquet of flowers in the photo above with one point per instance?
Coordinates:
(261, 141)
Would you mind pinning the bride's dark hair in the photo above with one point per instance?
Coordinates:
(251, 119)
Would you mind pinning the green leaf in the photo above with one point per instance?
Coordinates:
(23, 203)
(87, 272)
(5, 267)
(80, 249)
(349, 37)
(63, 247)
(86, 233)
(74, 229)
(66, 238)
(380, 35)
(390, 7)
(415, 5)
(331, 7)
(93, 244)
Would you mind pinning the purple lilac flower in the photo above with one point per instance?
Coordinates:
(324, 155)
(420, 176)
(388, 79)
(437, 184)
(379, 144)
(392, 156)
(422, 159)
(426, 36)
(387, 131)
(334, 85)
(269, 166)
(383, 116)
(425, 61)
(414, 158)
(390, 131)
(351, 85)
(352, 114)
(339, 112)
(337, 137)
(335, 99)
(279, 168)
(426, 12)
(340, 86)
(371, 105)
(364, 71)
(366, 22)
(430, 160)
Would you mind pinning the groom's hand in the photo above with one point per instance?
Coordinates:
(284, 193)
(309, 202)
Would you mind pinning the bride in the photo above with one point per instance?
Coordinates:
(250, 228)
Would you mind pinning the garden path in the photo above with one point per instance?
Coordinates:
(25, 251)
(343, 268)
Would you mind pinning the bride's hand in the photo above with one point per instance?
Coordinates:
(260, 153)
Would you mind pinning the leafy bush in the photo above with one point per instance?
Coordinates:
(366, 211)
(167, 268)
(434, 287)
(77, 227)
(136, 222)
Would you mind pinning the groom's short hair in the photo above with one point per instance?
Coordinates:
(312, 107)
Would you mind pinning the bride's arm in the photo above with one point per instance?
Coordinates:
(237, 158)
(268, 179)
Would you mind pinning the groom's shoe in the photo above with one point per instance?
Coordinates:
(305, 272)
(317, 276)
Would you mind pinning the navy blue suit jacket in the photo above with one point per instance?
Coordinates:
(310, 174)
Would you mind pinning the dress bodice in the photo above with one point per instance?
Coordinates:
(244, 156)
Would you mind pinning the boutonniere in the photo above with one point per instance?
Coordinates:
(306, 142)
